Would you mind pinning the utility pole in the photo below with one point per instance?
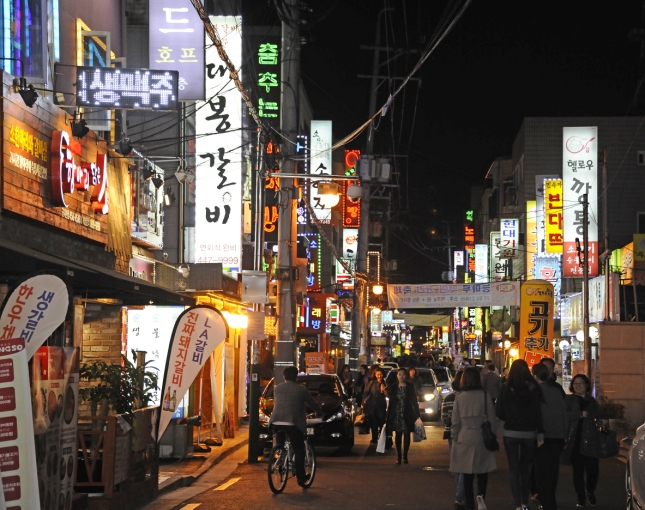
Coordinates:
(359, 316)
(290, 68)
(605, 230)
(585, 268)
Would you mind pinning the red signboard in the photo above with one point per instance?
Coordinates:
(351, 209)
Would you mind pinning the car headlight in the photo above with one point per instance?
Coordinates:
(264, 419)
(445, 390)
(428, 397)
(336, 416)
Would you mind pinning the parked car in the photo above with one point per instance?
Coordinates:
(429, 394)
(635, 471)
(337, 425)
(444, 378)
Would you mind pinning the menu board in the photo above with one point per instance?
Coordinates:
(54, 387)
(17, 452)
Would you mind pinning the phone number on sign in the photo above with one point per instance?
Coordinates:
(223, 260)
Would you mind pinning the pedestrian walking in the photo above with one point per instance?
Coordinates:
(447, 406)
(374, 403)
(414, 379)
(582, 439)
(550, 365)
(491, 381)
(519, 406)
(347, 380)
(359, 384)
(547, 456)
(504, 377)
(469, 455)
(402, 412)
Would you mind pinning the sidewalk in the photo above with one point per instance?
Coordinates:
(183, 473)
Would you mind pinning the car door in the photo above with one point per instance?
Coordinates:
(638, 466)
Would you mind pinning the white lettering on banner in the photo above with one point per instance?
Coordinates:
(449, 296)
(321, 142)
(579, 176)
(197, 332)
(218, 182)
(35, 308)
(19, 472)
(27, 165)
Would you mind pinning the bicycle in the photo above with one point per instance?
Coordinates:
(282, 464)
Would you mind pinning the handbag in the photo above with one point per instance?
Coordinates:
(608, 445)
(380, 447)
(419, 431)
(490, 440)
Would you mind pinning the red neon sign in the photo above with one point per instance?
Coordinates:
(67, 176)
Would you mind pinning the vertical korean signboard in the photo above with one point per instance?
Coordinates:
(531, 238)
(267, 69)
(320, 164)
(218, 179)
(536, 321)
(510, 232)
(481, 263)
(17, 447)
(497, 262)
(197, 332)
(553, 215)
(177, 44)
(579, 176)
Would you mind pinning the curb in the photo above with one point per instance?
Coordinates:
(181, 481)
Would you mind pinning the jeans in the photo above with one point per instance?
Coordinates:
(482, 481)
(460, 497)
(547, 470)
(406, 444)
(297, 438)
(582, 463)
(520, 454)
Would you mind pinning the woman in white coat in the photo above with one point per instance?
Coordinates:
(469, 454)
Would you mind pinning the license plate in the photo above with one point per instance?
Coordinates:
(310, 431)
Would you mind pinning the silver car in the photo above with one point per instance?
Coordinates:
(635, 472)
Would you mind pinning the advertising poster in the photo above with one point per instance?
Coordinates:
(197, 332)
(579, 177)
(54, 394)
(17, 449)
(316, 362)
(536, 321)
(33, 310)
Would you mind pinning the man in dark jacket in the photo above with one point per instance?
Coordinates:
(289, 416)
(550, 365)
(491, 382)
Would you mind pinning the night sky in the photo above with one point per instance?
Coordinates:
(503, 61)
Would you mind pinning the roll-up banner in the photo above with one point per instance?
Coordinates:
(197, 332)
(17, 447)
(34, 309)
(536, 321)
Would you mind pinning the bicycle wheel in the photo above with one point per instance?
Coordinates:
(310, 464)
(278, 469)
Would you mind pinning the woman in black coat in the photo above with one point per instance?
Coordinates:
(374, 402)
(402, 412)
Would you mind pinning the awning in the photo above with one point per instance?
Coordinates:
(87, 279)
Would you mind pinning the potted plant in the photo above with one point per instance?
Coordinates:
(615, 412)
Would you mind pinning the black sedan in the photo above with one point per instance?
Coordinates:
(337, 425)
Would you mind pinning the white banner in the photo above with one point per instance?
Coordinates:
(350, 242)
(481, 263)
(449, 296)
(197, 332)
(17, 446)
(35, 308)
(218, 177)
(320, 163)
(579, 176)
(497, 263)
(510, 233)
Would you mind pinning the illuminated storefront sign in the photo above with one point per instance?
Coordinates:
(549, 268)
(302, 149)
(312, 315)
(350, 242)
(510, 234)
(498, 265)
(177, 44)
(320, 164)
(218, 180)
(134, 89)
(314, 261)
(553, 215)
(351, 209)
(539, 206)
(271, 194)
(267, 77)
(343, 276)
(481, 263)
(68, 177)
(536, 321)
(531, 238)
(579, 177)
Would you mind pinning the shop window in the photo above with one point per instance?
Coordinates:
(24, 43)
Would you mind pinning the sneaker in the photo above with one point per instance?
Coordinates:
(592, 498)
(480, 503)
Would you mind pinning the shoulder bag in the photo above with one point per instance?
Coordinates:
(490, 440)
(608, 445)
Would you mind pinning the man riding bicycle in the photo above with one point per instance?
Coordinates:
(289, 416)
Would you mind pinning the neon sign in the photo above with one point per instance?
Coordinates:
(67, 176)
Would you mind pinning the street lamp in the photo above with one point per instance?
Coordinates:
(377, 289)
